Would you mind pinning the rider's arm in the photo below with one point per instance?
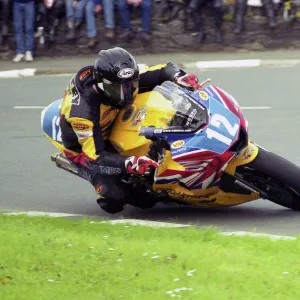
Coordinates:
(93, 153)
(156, 75)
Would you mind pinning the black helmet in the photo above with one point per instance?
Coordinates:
(117, 74)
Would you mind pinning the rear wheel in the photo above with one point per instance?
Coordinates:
(276, 177)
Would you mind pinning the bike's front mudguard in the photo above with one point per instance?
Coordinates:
(213, 196)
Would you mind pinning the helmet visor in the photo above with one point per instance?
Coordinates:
(121, 94)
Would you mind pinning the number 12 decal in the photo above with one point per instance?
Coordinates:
(56, 135)
(216, 121)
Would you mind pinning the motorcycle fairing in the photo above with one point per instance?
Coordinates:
(204, 154)
(50, 119)
(227, 100)
(219, 134)
(124, 135)
(50, 122)
(211, 196)
(189, 174)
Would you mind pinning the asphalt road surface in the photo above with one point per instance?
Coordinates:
(30, 181)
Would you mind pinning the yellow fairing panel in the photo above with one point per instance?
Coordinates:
(247, 155)
(59, 146)
(129, 121)
(213, 196)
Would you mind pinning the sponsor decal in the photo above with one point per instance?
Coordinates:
(147, 130)
(125, 73)
(203, 95)
(75, 99)
(139, 116)
(191, 117)
(81, 126)
(106, 113)
(83, 75)
(74, 92)
(248, 153)
(99, 189)
(83, 135)
(102, 169)
(179, 150)
(176, 130)
(177, 144)
(183, 196)
(127, 114)
(242, 153)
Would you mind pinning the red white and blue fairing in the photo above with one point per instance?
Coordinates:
(206, 152)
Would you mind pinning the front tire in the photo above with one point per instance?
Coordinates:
(278, 178)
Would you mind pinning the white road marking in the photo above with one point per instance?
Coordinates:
(17, 73)
(244, 108)
(41, 214)
(147, 223)
(217, 64)
(56, 75)
(29, 107)
(255, 107)
(255, 234)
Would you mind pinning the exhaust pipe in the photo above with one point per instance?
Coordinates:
(62, 162)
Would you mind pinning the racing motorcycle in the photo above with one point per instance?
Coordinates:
(200, 140)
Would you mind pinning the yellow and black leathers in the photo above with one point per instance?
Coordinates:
(86, 119)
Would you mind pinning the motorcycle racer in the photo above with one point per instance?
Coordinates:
(92, 100)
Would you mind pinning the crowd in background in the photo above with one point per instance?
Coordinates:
(40, 18)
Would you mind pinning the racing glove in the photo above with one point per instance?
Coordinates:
(189, 81)
(140, 165)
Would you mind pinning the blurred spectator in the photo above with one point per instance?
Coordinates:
(125, 7)
(240, 11)
(4, 4)
(24, 14)
(50, 12)
(171, 9)
(198, 6)
(75, 12)
(108, 7)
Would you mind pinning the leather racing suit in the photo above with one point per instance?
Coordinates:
(86, 123)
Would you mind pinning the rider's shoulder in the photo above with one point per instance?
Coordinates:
(83, 77)
(85, 73)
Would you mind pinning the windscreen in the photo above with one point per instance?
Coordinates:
(184, 113)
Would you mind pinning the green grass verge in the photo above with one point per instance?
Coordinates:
(44, 258)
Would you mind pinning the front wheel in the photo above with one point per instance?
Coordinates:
(275, 176)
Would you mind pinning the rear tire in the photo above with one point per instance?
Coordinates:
(276, 176)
